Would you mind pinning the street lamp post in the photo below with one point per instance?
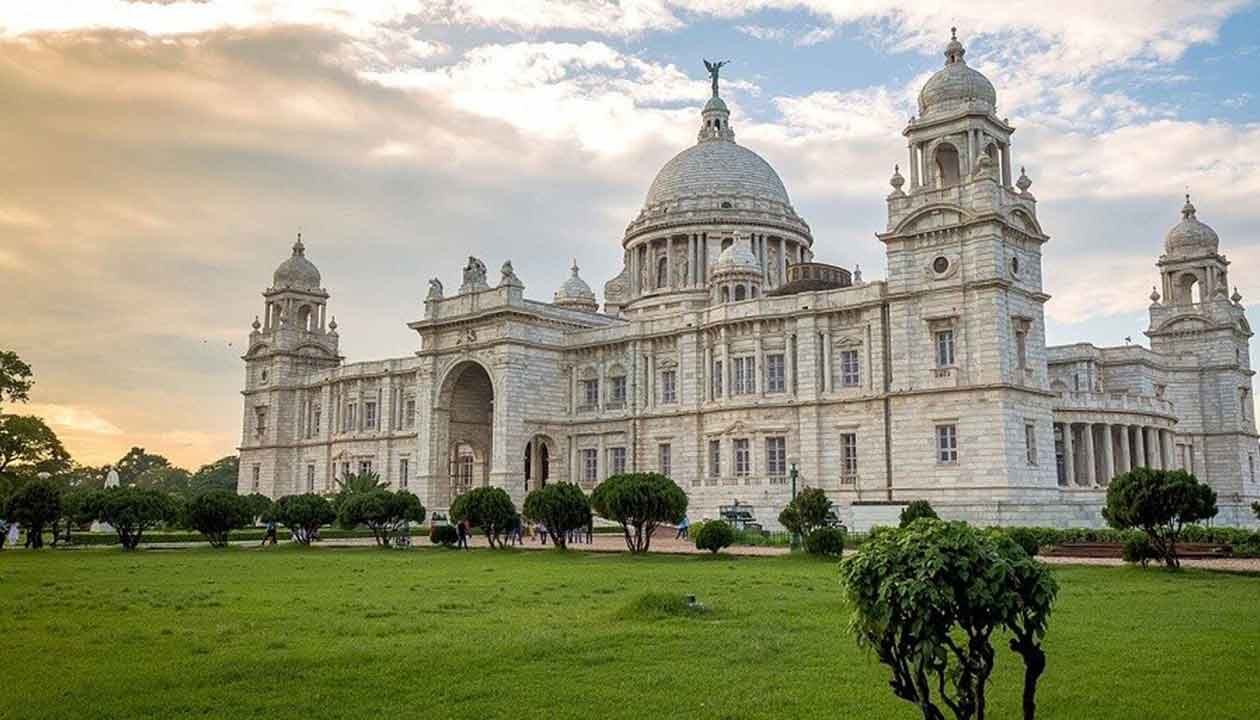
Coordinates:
(796, 536)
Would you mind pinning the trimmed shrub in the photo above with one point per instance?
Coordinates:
(825, 541)
(639, 501)
(713, 535)
(1137, 549)
(303, 515)
(915, 510)
(35, 505)
(383, 512)
(1159, 503)
(260, 508)
(808, 510)
(561, 507)
(132, 510)
(217, 513)
(489, 508)
(445, 535)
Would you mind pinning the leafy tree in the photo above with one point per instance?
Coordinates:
(304, 514)
(131, 511)
(86, 476)
(713, 536)
(15, 378)
(639, 501)
(222, 474)
(826, 541)
(78, 508)
(167, 478)
(353, 483)
(135, 463)
(34, 505)
(384, 512)
(216, 513)
(808, 510)
(489, 508)
(927, 599)
(915, 510)
(29, 447)
(1159, 503)
(262, 507)
(1255, 508)
(561, 507)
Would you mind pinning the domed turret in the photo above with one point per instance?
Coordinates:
(575, 294)
(737, 273)
(297, 273)
(1190, 237)
(956, 86)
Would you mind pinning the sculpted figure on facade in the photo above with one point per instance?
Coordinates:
(474, 276)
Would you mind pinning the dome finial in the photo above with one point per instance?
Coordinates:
(1187, 210)
(574, 267)
(298, 247)
(953, 33)
(954, 51)
(1154, 294)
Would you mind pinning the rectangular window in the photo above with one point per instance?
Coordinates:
(590, 394)
(742, 383)
(850, 370)
(775, 375)
(616, 460)
(369, 415)
(743, 458)
(776, 456)
(349, 425)
(404, 472)
(848, 458)
(257, 476)
(617, 390)
(717, 379)
(310, 478)
(1030, 443)
(409, 415)
(590, 465)
(345, 470)
(260, 421)
(365, 466)
(315, 420)
(945, 348)
(1021, 348)
(715, 458)
(669, 387)
(663, 459)
(947, 443)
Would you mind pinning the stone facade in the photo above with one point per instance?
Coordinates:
(726, 356)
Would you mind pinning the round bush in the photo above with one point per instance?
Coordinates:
(216, 513)
(443, 535)
(713, 535)
(917, 509)
(825, 541)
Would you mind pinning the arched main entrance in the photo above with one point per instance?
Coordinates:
(467, 398)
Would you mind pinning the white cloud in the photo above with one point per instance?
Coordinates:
(69, 418)
(814, 36)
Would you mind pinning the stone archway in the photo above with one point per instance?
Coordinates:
(540, 461)
(465, 431)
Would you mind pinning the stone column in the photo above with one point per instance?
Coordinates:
(1006, 165)
(783, 261)
(1139, 436)
(669, 262)
(789, 350)
(759, 378)
(1109, 456)
(1126, 453)
(1170, 450)
(914, 166)
(1091, 461)
(826, 368)
(1069, 456)
(726, 364)
(650, 385)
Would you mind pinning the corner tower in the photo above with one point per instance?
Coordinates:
(1202, 333)
(294, 339)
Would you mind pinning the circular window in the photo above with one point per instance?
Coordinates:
(1014, 266)
(940, 265)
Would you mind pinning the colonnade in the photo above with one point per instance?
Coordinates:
(1093, 453)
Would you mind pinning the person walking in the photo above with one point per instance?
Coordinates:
(541, 531)
(518, 537)
(684, 529)
(461, 529)
(270, 536)
(590, 529)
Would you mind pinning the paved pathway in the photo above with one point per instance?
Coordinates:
(1248, 565)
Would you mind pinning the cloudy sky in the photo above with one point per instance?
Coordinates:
(160, 155)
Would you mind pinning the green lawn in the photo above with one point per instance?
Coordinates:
(364, 633)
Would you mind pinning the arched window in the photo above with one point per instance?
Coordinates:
(947, 168)
(726, 294)
(1188, 289)
(752, 292)
(662, 272)
(740, 293)
(304, 318)
(462, 466)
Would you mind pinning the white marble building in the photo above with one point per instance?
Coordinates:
(725, 354)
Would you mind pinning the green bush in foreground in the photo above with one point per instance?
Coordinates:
(303, 515)
(1159, 503)
(133, 510)
(385, 513)
(445, 535)
(489, 508)
(713, 535)
(642, 502)
(825, 541)
(561, 507)
(928, 598)
(915, 510)
(217, 513)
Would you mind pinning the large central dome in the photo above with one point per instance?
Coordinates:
(716, 169)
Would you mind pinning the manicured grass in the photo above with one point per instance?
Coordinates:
(288, 632)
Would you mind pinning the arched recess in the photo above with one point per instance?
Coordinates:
(948, 169)
(740, 292)
(463, 429)
(662, 272)
(540, 458)
(305, 314)
(1188, 288)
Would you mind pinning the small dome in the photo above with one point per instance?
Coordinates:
(737, 256)
(297, 272)
(956, 86)
(715, 104)
(1190, 237)
(575, 293)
